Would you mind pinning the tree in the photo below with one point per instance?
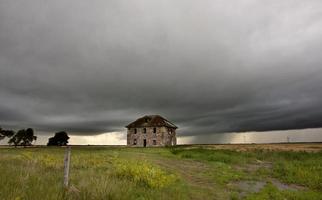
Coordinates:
(6, 133)
(23, 138)
(60, 139)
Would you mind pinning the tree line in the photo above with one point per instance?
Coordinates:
(25, 137)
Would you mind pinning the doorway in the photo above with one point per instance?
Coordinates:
(144, 142)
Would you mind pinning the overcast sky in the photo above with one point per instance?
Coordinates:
(209, 66)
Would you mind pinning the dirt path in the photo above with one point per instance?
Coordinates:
(189, 170)
(193, 172)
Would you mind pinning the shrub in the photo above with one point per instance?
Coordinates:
(144, 173)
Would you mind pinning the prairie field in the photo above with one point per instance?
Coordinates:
(182, 172)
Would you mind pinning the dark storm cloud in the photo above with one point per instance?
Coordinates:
(210, 66)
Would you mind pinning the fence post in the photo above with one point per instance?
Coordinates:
(66, 166)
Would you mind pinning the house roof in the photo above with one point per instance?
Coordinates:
(151, 120)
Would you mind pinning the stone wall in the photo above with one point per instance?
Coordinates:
(163, 136)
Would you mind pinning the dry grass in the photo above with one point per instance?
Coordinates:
(307, 147)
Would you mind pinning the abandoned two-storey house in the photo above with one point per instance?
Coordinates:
(151, 130)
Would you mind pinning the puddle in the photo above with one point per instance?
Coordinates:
(255, 186)
(250, 186)
(283, 186)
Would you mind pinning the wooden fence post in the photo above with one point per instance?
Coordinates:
(66, 166)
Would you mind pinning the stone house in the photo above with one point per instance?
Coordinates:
(151, 130)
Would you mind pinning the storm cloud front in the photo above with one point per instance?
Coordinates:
(91, 67)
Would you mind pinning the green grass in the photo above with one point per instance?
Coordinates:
(300, 168)
(273, 193)
(157, 173)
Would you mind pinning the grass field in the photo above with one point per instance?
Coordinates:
(183, 172)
